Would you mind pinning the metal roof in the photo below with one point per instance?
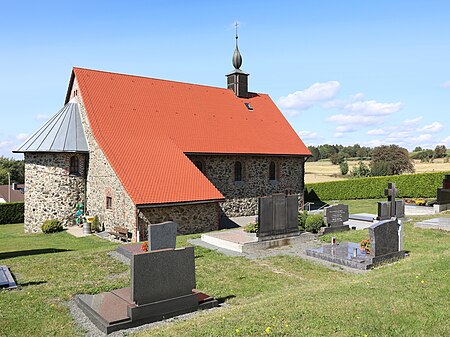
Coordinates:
(62, 133)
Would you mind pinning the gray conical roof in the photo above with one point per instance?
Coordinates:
(61, 133)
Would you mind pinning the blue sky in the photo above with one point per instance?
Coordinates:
(342, 72)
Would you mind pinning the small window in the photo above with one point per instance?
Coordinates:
(108, 203)
(272, 171)
(238, 171)
(199, 165)
(74, 165)
(248, 106)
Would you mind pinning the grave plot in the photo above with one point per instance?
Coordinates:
(162, 286)
(335, 216)
(6, 278)
(385, 244)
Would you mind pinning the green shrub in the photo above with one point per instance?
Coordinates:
(313, 223)
(51, 226)
(11, 212)
(344, 168)
(251, 227)
(409, 186)
(302, 219)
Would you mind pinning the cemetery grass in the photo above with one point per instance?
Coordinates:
(277, 296)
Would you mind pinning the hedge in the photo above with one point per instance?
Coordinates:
(422, 185)
(11, 212)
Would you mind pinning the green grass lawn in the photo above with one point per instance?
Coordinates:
(360, 206)
(277, 296)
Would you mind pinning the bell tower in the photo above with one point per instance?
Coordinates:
(237, 80)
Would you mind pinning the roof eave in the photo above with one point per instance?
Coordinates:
(180, 203)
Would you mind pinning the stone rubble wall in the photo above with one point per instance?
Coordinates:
(242, 196)
(50, 191)
(194, 218)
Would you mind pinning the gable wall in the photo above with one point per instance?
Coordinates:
(242, 197)
(102, 182)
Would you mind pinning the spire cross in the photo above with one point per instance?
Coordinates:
(236, 24)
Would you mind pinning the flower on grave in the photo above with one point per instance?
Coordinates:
(144, 246)
(365, 245)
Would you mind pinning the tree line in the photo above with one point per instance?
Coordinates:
(16, 168)
(384, 160)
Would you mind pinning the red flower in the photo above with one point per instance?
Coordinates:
(144, 246)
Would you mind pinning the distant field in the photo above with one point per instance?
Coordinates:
(322, 171)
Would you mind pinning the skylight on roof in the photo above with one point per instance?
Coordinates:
(248, 106)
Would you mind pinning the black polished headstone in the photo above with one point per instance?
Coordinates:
(162, 236)
(386, 240)
(277, 215)
(384, 210)
(392, 207)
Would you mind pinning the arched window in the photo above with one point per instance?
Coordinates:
(238, 171)
(74, 165)
(199, 165)
(272, 171)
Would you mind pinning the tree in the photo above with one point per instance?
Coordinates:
(393, 157)
(15, 167)
(417, 149)
(315, 153)
(344, 168)
(361, 170)
(440, 151)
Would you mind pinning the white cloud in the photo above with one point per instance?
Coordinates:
(412, 121)
(354, 119)
(316, 93)
(41, 117)
(446, 85)
(376, 132)
(423, 138)
(372, 108)
(338, 135)
(446, 141)
(22, 136)
(433, 127)
(346, 128)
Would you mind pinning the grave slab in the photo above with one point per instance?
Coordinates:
(335, 217)
(436, 223)
(6, 279)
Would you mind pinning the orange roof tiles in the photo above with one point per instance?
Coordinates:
(145, 126)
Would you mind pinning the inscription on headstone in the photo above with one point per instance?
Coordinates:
(336, 215)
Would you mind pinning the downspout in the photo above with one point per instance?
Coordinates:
(137, 232)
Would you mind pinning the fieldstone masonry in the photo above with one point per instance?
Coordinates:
(242, 196)
(51, 192)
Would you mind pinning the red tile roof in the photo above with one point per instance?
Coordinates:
(144, 126)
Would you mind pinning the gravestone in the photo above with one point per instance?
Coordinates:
(386, 240)
(277, 215)
(443, 195)
(162, 235)
(392, 207)
(334, 217)
(162, 286)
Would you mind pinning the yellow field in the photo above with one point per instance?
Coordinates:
(317, 172)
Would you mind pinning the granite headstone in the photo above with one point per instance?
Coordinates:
(386, 240)
(334, 217)
(162, 235)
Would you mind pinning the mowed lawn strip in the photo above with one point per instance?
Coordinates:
(278, 296)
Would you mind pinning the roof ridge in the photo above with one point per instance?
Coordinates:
(159, 79)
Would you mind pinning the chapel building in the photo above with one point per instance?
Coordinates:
(136, 150)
